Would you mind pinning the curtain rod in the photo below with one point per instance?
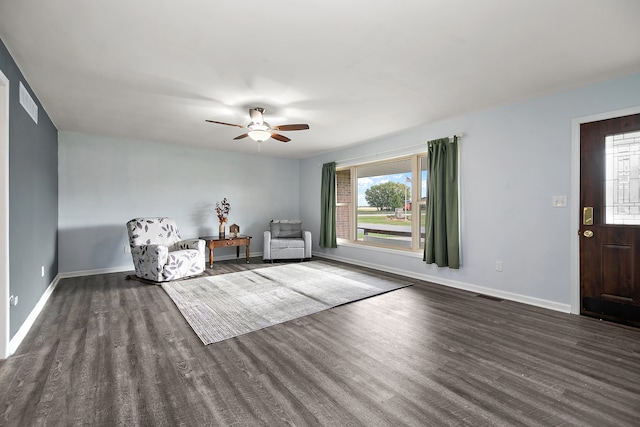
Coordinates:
(459, 135)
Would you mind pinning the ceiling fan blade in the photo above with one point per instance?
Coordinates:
(223, 123)
(280, 137)
(291, 127)
(256, 115)
(244, 135)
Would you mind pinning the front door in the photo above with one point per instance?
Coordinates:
(610, 219)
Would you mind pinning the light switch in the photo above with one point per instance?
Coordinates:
(559, 201)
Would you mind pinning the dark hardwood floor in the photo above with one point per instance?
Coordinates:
(107, 351)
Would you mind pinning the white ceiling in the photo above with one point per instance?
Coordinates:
(353, 70)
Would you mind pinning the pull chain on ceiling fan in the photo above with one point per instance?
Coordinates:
(259, 130)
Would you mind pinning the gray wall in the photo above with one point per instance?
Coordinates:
(104, 182)
(513, 159)
(33, 198)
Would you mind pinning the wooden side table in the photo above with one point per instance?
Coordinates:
(226, 241)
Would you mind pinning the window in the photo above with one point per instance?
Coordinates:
(622, 186)
(383, 203)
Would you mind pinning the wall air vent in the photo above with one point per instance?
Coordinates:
(28, 103)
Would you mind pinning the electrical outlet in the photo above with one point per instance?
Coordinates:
(498, 265)
(127, 249)
(13, 300)
(42, 271)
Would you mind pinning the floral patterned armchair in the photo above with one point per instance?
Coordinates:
(159, 253)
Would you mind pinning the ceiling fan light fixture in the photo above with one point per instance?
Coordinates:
(259, 135)
(260, 130)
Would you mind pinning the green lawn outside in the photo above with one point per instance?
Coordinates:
(382, 219)
(369, 210)
(368, 215)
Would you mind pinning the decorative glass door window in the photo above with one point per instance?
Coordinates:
(622, 184)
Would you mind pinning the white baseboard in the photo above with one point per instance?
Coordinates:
(551, 305)
(96, 271)
(130, 267)
(17, 339)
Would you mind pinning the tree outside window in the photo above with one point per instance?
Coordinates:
(376, 203)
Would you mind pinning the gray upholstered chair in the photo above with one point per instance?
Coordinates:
(286, 239)
(159, 253)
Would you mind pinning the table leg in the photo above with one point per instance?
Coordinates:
(247, 250)
(211, 256)
(237, 251)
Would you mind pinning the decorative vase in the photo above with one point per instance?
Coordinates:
(221, 229)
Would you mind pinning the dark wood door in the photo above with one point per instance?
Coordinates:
(610, 219)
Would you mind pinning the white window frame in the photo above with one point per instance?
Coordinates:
(416, 190)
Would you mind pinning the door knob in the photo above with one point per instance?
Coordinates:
(588, 234)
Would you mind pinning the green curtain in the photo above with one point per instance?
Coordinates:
(328, 206)
(442, 243)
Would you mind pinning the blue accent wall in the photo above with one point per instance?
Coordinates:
(33, 197)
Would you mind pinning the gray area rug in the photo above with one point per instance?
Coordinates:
(228, 305)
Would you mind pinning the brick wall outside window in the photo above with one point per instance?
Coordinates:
(343, 195)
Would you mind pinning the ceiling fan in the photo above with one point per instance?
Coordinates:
(259, 130)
